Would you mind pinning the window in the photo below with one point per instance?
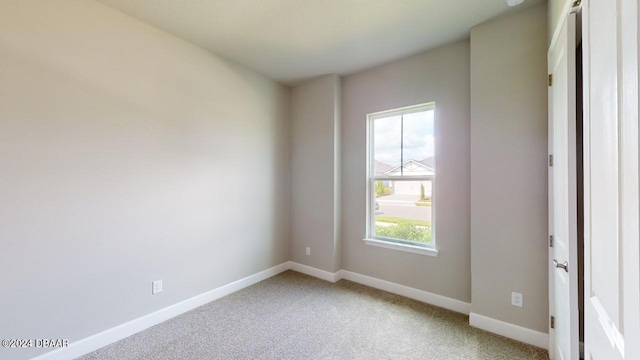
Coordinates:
(401, 178)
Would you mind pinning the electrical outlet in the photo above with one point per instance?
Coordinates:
(516, 299)
(308, 251)
(156, 287)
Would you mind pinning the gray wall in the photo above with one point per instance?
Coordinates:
(440, 75)
(126, 156)
(129, 155)
(315, 173)
(508, 168)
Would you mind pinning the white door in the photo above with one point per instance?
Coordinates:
(563, 253)
(612, 256)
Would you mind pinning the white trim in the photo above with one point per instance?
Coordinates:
(406, 291)
(515, 332)
(566, 10)
(403, 177)
(315, 272)
(109, 336)
(512, 331)
(422, 250)
(403, 110)
(370, 169)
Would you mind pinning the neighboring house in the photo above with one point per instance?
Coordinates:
(381, 168)
(413, 167)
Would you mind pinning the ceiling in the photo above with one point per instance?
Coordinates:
(293, 40)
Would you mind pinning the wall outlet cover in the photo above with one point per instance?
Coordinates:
(516, 299)
(156, 287)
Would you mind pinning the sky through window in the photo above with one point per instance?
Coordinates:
(410, 139)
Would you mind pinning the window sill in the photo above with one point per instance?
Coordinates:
(402, 247)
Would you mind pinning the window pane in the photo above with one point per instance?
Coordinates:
(404, 145)
(403, 210)
(386, 144)
(418, 143)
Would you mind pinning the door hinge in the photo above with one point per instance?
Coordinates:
(552, 322)
(550, 240)
(550, 79)
(550, 160)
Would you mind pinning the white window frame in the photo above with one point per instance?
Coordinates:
(396, 244)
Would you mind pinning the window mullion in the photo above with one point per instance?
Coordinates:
(405, 178)
(402, 145)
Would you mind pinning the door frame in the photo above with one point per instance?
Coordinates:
(571, 19)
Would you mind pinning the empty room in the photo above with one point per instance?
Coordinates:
(307, 179)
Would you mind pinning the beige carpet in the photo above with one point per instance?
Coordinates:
(294, 316)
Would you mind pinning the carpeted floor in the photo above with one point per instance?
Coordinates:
(294, 316)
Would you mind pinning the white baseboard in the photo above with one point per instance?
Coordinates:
(516, 332)
(109, 336)
(315, 272)
(505, 329)
(406, 291)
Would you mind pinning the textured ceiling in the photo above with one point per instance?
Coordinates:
(292, 40)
